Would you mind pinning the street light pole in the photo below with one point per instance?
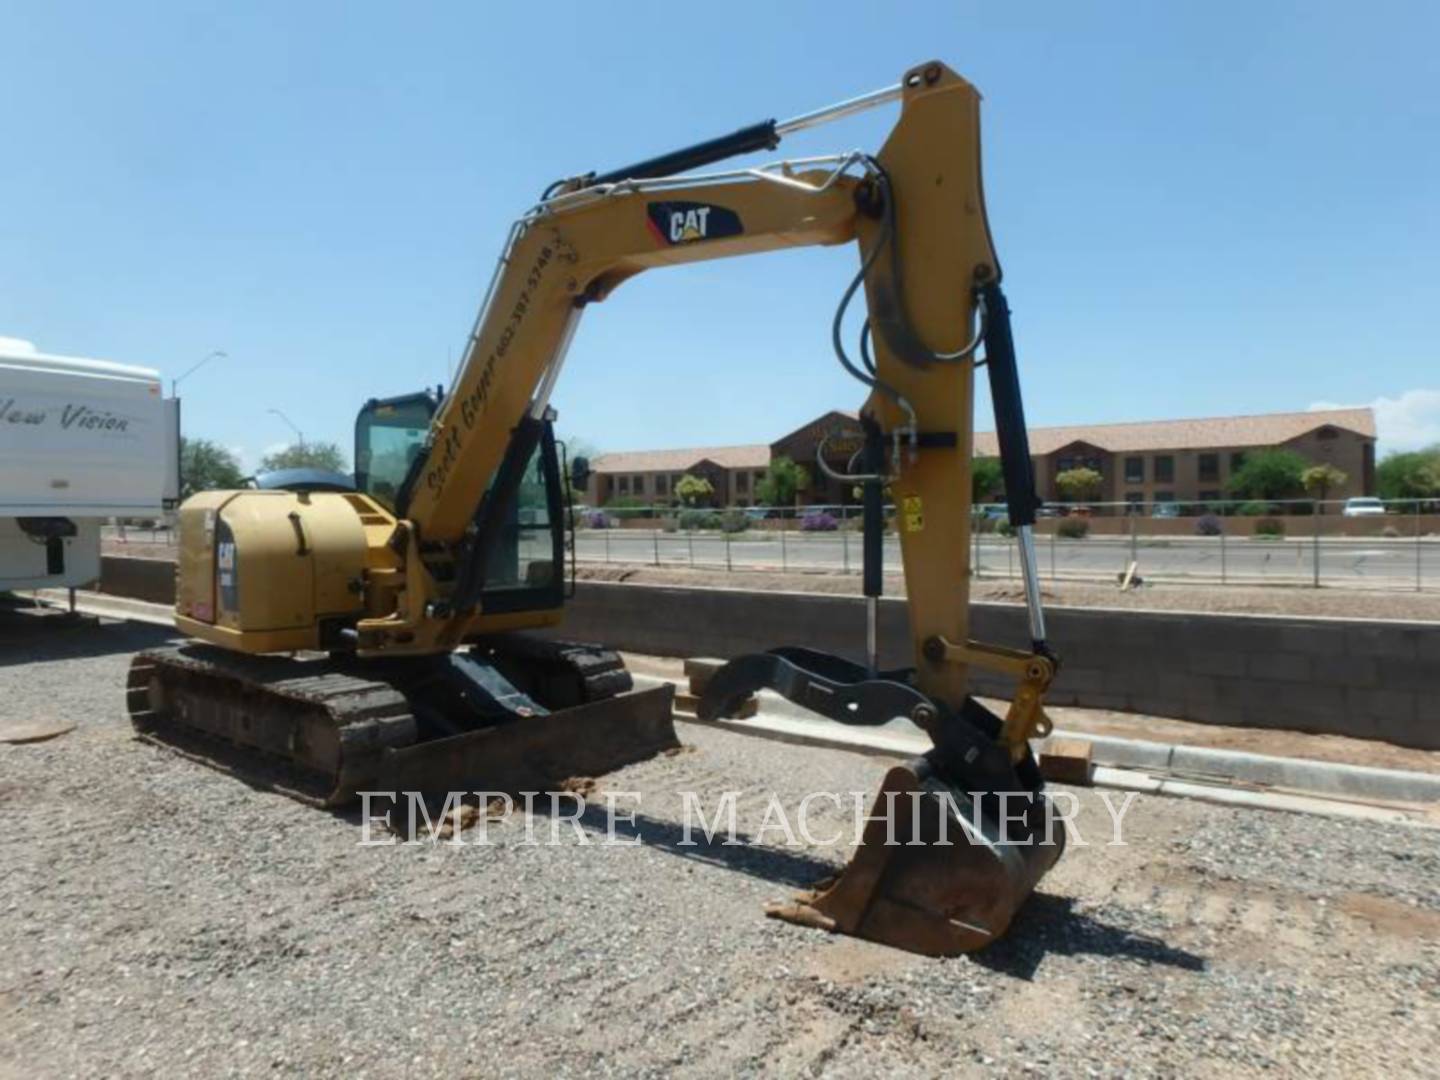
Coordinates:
(213, 355)
(299, 435)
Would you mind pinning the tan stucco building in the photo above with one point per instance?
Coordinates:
(1153, 461)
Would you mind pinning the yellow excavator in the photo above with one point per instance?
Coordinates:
(373, 636)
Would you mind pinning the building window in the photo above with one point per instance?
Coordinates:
(624, 485)
(1209, 468)
(1237, 461)
(1135, 498)
(640, 485)
(662, 484)
(742, 482)
(1209, 496)
(1134, 470)
(1164, 469)
(1078, 461)
(1164, 496)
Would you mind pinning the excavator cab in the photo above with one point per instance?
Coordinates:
(524, 563)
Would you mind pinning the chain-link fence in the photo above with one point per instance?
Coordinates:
(1356, 543)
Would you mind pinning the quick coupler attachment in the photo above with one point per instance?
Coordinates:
(830, 685)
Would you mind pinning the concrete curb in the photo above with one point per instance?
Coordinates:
(1182, 767)
(1297, 774)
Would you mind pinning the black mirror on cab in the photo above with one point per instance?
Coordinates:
(579, 472)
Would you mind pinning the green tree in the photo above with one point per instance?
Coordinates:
(782, 483)
(319, 455)
(694, 490)
(1269, 474)
(987, 480)
(207, 466)
(1319, 480)
(1079, 484)
(1413, 474)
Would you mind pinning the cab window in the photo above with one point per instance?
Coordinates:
(389, 436)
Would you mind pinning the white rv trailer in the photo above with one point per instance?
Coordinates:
(81, 441)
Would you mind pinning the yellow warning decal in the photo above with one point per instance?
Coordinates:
(914, 513)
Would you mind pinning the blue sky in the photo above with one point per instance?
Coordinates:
(1201, 208)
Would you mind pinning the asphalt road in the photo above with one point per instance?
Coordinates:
(1358, 562)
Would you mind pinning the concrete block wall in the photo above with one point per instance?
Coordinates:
(1362, 678)
(152, 580)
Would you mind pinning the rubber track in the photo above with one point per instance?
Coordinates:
(559, 674)
(316, 729)
(320, 728)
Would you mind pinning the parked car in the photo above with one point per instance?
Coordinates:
(1165, 510)
(1364, 506)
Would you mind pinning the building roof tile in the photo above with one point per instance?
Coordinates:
(639, 461)
(1269, 429)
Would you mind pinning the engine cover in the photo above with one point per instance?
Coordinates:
(271, 571)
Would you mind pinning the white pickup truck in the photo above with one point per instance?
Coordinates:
(81, 441)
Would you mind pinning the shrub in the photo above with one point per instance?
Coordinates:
(1072, 528)
(783, 480)
(1079, 484)
(1006, 529)
(819, 522)
(699, 519)
(1269, 474)
(595, 519)
(1253, 509)
(734, 521)
(625, 507)
(1411, 475)
(1271, 527)
(1208, 525)
(694, 490)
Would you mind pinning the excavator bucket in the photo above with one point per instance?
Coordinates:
(956, 840)
(930, 875)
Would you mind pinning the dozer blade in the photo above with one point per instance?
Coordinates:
(584, 741)
(931, 875)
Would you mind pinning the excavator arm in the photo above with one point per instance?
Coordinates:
(916, 212)
(931, 281)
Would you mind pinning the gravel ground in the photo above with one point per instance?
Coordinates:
(155, 915)
(1240, 599)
